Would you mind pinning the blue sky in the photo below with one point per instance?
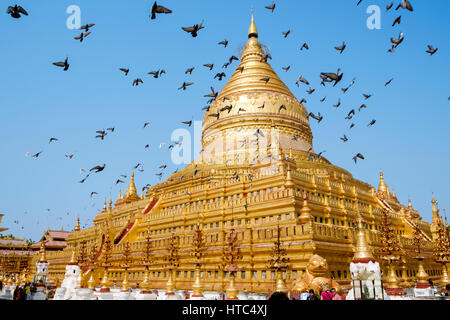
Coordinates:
(409, 142)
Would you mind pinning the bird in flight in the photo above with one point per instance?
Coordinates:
(271, 7)
(431, 50)
(125, 71)
(98, 168)
(208, 65)
(266, 80)
(189, 123)
(389, 6)
(82, 36)
(86, 27)
(16, 11)
(194, 29)
(286, 33)
(36, 154)
(146, 124)
(189, 70)
(398, 41)
(302, 80)
(405, 4)
(185, 85)
(64, 64)
(397, 20)
(157, 74)
(336, 77)
(70, 156)
(345, 139)
(389, 82)
(137, 81)
(158, 9)
(319, 117)
(358, 156)
(224, 43)
(366, 96)
(220, 76)
(304, 46)
(341, 48)
(52, 139)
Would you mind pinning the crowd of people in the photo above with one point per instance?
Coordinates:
(327, 294)
(23, 292)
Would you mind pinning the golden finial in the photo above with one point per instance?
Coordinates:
(289, 182)
(77, 226)
(362, 250)
(410, 204)
(43, 257)
(305, 211)
(73, 259)
(104, 207)
(110, 205)
(131, 190)
(253, 31)
(382, 188)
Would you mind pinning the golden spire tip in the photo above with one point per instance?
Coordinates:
(253, 31)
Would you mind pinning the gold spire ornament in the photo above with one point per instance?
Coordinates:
(73, 259)
(252, 31)
(278, 262)
(43, 257)
(77, 226)
(305, 211)
(382, 188)
(363, 253)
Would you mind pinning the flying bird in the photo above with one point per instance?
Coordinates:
(241, 69)
(185, 85)
(16, 11)
(82, 36)
(405, 4)
(358, 156)
(119, 181)
(282, 107)
(345, 139)
(304, 46)
(36, 154)
(319, 117)
(98, 168)
(336, 77)
(70, 156)
(220, 76)
(137, 81)
(224, 43)
(146, 124)
(286, 68)
(271, 7)
(389, 6)
(397, 20)
(189, 70)
(389, 82)
(52, 139)
(366, 96)
(372, 123)
(158, 9)
(125, 71)
(86, 27)
(210, 66)
(431, 50)
(64, 64)
(362, 107)
(286, 33)
(194, 29)
(341, 48)
(338, 104)
(189, 123)
(398, 41)
(213, 94)
(232, 58)
(303, 80)
(267, 79)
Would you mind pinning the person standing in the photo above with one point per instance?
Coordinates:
(15, 293)
(336, 296)
(327, 295)
(312, 296)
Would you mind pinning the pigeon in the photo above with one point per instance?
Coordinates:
(338, 104)
(398, 41)
(389, 6)
(189, 70)
(310, 91)
(210, 66)
(389, 82)
(366, 96)
(101, 135)
(86, 27)
(392, 49)
(397, 20)
(281, 108)
(336, 77)
(137, 81)
(185, 85)
(92, 193)
(70, 156)
(262, 106)
(220, 76)
(213, 94)
(345, 139)
(241, 69)
(358, 156)
(286, 33)
(431, 50)
(110, 129)
(194, 29)
(266, 57)
(125, 71)
(224, 43)
(64, 64)
(52, 139)
(304, 46)
(352, 125)
(286, 68)
(362, 107)
(82, 36)
(322, 100)
(319, 117)
(119, 181)
(16, 11)
(372, 123)
(146, 124)
(341, 48)
(265, 79)
(36, 155)
(227, 108)
(232, 58)
(405, 4)
(303, 101)
(98, 168)
(271, 7)
(158, 9)
(303, 80)
(189, 123)
(157, 74)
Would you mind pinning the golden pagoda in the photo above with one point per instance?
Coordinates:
(251, 176)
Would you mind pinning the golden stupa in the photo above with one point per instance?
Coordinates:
(251, 175)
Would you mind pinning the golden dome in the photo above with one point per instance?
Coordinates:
(382, 188)
(256, 104)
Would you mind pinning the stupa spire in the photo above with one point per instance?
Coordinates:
(42, 252)
(382, 188)
(362, 250)
(77, 226)
(131, 190)
(252, 31)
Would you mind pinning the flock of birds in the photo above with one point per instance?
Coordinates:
(326, 78)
